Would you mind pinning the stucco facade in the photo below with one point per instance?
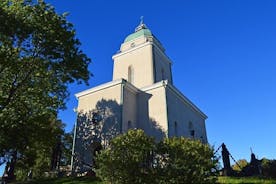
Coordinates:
(141, 95)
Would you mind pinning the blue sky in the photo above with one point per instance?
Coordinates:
(223, 55)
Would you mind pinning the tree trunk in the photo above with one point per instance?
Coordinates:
(11, 168)
(56, 156)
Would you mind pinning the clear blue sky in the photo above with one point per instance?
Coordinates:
(223, 53)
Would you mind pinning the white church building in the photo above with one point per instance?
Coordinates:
(141, 95)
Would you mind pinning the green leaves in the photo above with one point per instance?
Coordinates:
(39, 56)
(135, 158)
(185, 161)
(128, 159)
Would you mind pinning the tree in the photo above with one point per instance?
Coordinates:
(183, 160)
(37, 155)
(67, 144)
(39, 57)
(128, 159)
(41, 157)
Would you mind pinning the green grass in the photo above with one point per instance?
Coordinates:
(87, 180)
(245, 180)
(68, 180)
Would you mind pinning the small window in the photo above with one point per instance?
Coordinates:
(129, 125)
(192, 132)
(163, 74)
(191, 129)
(130, 74)
(175, 129)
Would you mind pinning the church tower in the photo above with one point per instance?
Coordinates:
(141, 59)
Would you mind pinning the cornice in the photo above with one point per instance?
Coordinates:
(100, 87)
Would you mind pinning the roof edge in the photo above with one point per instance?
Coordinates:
(100, 87)
(189, 102)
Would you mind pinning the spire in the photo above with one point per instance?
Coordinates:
(141, 25)
(141, 20)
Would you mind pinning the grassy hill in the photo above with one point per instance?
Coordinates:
(67, 180)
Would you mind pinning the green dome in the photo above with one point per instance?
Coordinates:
(141, 31)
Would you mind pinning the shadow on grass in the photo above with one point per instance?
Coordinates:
(67, 180)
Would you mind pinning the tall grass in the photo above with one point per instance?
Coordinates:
(245, 180)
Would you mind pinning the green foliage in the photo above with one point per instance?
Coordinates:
(89, 180)
(42, 159)
(39, 57)
(183, 160)
(67, 143)
(242, 163)
(224, 179)
(128, 159)
(135, 158)
(269, 168)
(65, 180)
(38, 155)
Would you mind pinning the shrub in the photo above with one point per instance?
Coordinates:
(135, 158)
(128, 159)
(269, 168)
(183, 160)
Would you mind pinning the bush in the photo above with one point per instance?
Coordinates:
(183, 160)
(269, 168)
(128, 159)
(135, 158)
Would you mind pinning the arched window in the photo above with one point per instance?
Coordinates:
(129, 124)
(130, 73)
(191, 129)
(163, 74)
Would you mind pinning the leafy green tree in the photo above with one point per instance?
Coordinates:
(41, 157)
(128, 159)
(38, 156)
(242, 163)
(67, 143)
(183, 160)
(39, 57)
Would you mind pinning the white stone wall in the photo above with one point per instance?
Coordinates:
(157, 125)
(184, 115)
(129, 109)
(105, 100)
(162, 66)
(89, 101)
